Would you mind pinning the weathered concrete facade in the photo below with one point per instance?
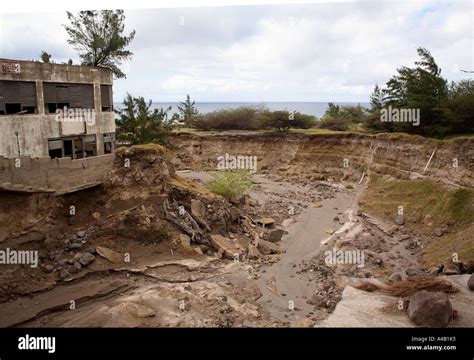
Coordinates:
(32, 96)
(28, 134)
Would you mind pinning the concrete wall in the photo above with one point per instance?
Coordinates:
(59, 175)
(34, 130)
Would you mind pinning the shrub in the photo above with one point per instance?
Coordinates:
(232, 184)
(243, 118)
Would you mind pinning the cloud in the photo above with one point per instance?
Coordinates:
(318, 52)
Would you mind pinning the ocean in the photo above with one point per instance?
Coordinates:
(311, 108)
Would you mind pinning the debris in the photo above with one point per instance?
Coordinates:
(318, 205)
(224, 245)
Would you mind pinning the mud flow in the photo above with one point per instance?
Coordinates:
(333, 231)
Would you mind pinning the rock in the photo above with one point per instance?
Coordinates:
(265, 221)
(430, 309)
(302, 323)
(86, 259)
(109, 254)
(268, 248)
(276, 235)
(329, 231)
(399, 219)
(336, 218)
(470, 282)
(62, 262)
(185, 243)
(74, 258)
(75, 246)
(224, 246)
(81, 234)
(395, 277)
(96, 215)
(318, 205)
(253, 252)
(415, 272)
(77, 266)
(438, 232)
(198, 250)
(64, 274)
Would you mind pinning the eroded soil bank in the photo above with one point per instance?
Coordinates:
(154, 247)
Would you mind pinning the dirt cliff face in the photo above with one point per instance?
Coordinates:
(336, 156)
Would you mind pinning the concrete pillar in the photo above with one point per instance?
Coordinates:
(39, 97)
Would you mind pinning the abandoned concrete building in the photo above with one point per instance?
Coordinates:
(57, 126)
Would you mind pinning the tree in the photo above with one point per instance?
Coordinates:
(138, 124)
(98, 38)
(45, 57)
(376, 99)
(423, 88)
(187, 110)
(459, 107)
(332, 110)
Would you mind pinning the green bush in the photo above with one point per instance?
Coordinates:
(343, 118)
(232, 184)
(242, 118)
(252, 118)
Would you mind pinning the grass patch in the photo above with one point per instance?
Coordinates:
(421, 198)
(231, 184)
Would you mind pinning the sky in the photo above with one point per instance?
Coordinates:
(308, 52)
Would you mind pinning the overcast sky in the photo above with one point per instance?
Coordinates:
(318, 52)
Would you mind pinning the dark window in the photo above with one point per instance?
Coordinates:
(106, 97)
(59, 95)
(13, 108)
(68, 148)
(77, 147)
(17, 97)
(55, 148)
(109, 143)
(90, 145)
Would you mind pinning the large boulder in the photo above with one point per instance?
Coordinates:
(430, 309)
(275, 235)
